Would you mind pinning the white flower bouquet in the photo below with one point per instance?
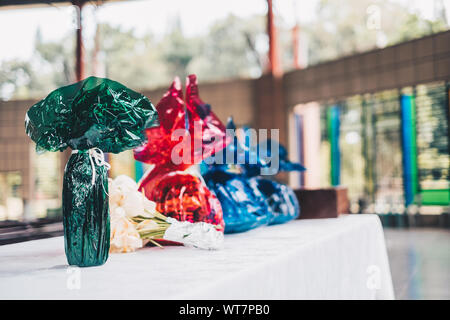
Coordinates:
(135, 221)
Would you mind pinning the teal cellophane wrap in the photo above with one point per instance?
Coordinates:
(94, 113)
(85, 212)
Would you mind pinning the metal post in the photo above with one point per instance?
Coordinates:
(274, 65)
(295, 45)
(408, 119)
(333, 134)
(79, 53)
(79, 69)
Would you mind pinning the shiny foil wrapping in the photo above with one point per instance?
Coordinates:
(85, 212)
(249, 200)
(243, 207)
(99, 115)
(184, 196)
(179, 192)
(280, 198)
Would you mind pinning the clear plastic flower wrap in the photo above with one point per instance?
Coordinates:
(178, 191)
(92, 116)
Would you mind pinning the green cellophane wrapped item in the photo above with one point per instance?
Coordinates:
(92, 116)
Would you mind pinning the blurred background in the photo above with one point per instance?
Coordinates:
(359, 90)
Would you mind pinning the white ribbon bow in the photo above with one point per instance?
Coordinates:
(96, 155)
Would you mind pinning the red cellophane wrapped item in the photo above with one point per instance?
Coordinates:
(178, 191)
(207, 131)
(172, 114)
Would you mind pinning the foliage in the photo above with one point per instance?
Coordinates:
(341, 30)
(231, 47)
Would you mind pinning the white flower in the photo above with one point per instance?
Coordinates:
(125, 183)
(117, 213)
(124, 236)
(123, 192)
(133, 204)
(125, 202)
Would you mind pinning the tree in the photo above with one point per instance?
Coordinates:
(230, 49)
(131, 60)
(58, 56)
(49, 68)
(178, 50)
(414, 27)
(342, 29)
(15, 75)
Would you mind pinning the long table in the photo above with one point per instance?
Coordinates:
(343, 258)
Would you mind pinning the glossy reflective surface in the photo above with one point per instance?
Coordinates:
(249, 200)
(85, 212)
(171, 114)
(244, 207)
(180, 194)
(280, 198)
(189, 130)
(185, 197)
(94, 113)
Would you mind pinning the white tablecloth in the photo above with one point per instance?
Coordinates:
(343, 258)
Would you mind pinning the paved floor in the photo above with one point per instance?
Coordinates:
(420, 262)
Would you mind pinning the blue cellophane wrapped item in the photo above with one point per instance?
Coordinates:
(280, 203)
(279, 197)
(244, 206)
(265, 149)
